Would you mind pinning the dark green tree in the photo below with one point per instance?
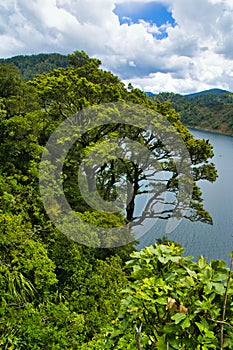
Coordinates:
(80, 58)
(11, 81)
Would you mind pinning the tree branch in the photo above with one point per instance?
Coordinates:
(138, 336)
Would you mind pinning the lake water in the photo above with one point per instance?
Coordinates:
(212, 241)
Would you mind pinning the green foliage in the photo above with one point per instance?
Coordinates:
(80, 58)
(49, 326)
(26, 269)
(177, 302)
(55, 293)
(10, 81)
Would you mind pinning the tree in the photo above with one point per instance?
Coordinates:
(80, 58)
(56, 96)
(84, 90)
(10, 81)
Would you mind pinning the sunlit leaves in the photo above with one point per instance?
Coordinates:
(179, 302)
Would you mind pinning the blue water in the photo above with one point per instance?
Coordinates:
(212, 241)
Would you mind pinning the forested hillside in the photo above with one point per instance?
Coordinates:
(210, 111)
(31, 65)
(56, 293)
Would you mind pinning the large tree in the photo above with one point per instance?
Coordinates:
(83, 91)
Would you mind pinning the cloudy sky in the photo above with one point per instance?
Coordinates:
(158, 45)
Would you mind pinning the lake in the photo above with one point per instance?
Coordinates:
(212, 241)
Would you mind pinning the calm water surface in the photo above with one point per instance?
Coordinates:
(213, 241)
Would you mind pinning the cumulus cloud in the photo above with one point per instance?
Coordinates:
(196, 53)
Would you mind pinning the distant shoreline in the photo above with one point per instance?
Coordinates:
(209, 130)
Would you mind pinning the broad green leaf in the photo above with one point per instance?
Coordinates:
(178, 317)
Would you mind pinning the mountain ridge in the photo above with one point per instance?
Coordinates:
(215, 91)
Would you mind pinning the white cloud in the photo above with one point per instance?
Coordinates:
(196, 54)
(151, 28)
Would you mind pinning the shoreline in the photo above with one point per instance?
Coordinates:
(209, 130)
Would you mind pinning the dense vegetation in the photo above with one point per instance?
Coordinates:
(58, 294)
(209, 111)
(31, 65)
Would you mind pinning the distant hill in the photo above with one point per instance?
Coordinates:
(150, 94)
(209, 110)
(216, 92)
(30, 65)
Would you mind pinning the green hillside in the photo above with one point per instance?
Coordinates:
(207, 110)
(30, 65)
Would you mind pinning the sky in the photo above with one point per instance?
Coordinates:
(179, 46)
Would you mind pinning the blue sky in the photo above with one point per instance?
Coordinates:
(151, 12)
(179, 46)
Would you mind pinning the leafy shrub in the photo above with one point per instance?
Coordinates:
(174, 302)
